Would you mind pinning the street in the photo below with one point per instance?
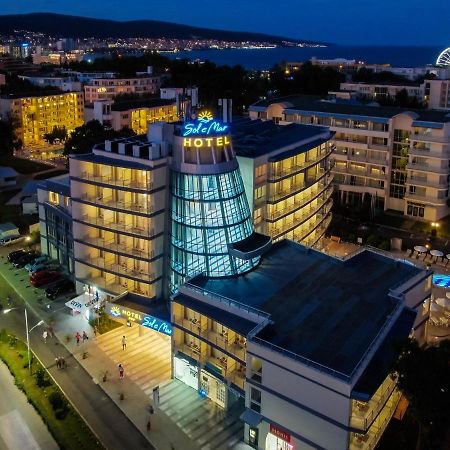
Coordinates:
(21, 427)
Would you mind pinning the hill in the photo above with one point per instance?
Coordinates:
(60, 25)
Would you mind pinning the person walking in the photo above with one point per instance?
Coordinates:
(78, 337)
(85, 336)
(58, 362)
(95, 331)
(121, 372)
(62, 362)
(124, 342)
(50, 331)
(44, 336)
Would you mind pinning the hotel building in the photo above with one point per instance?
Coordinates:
(309, 354)
(394, 158)
(108, 88)
(39, 113)
(287, 177)
(133, 114)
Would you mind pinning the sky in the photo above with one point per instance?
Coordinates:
(347, 22)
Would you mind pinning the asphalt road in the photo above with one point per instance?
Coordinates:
(111, 426)
(21, 427)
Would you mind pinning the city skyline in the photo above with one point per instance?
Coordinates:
(402, 25)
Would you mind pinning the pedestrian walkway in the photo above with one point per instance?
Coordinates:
(209, 426)
(146, 357)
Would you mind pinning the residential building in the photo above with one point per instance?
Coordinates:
(392, 158)
(64, 83)
(55, 220)
(38, 113)
(87, 77)
(174, 93)
(8, 176)
(12, 65)
(134, 114)
(108, 88)
(20, 50)
(438, 93)
(306, 339)
(287, 178)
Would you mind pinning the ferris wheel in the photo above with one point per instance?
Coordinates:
(444, 58)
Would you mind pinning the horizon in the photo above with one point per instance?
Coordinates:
(398, 29)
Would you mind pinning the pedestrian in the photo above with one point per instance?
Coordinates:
(85, 336)
(44, 335)
(121, 372)
(124, 342)
(78, 337)
(95, 331)
(149, 425)
(62, 362)
(58, 362)
(50, 331)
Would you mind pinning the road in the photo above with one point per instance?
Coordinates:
(21, 427)
(114, 430)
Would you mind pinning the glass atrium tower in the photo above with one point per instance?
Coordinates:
(211, 224)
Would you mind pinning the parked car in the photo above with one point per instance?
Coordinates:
(25, 259)
(16, 254)
(44, 266)
(61, 287)
(11, 240)
(47, 277)
(39, 260)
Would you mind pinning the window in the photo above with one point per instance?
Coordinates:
(256, 369)
(415, 210)
(255, 399)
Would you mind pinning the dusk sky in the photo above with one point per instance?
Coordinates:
(356, 22)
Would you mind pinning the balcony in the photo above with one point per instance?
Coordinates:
(112, 246)
(109, 202)
(425, 199)
(364, 413)
(423, 181)
(425, 137)
(109, 180)
(140, 230)
(427, 153)
(109, 286)
(426, 167)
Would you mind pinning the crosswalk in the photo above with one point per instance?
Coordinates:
(146, 358)
(209, 426)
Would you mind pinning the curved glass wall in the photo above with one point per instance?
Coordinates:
(208, 213)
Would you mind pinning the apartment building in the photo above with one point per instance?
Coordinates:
(108, 88)
(390, 157)
(134, 114)
(37, 114)
(55, 221)
(380, 91)
(312, 375)
(287, 177)
(64, 83)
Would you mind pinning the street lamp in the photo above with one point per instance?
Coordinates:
(6, 311)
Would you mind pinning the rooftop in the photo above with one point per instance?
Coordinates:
(254, 138)
(7, 172)
(323, 309)
(141, 103)
(316, 104)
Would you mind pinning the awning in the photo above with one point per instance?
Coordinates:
(83, 302)
(251, 418)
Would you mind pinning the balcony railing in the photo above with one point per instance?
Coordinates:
(424, 137)
(124, 205)
(118, 248)
(115, 226)
(110, 180)
(426, 167)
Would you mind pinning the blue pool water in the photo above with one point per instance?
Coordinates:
(441, 280)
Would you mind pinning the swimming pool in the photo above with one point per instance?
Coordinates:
(441, 280)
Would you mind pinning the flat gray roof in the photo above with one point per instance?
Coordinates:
(323, 309)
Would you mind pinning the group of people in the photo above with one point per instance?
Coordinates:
(78, 337)
(60, 362)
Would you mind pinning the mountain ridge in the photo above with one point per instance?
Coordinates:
(83, 27)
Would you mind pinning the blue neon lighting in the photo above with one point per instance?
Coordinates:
(441, 280)
(157, 324)
(204, 127)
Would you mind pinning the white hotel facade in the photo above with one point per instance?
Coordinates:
(398, 158)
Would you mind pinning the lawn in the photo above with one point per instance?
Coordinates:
(69, 430)
(105, 324)
(24, 166)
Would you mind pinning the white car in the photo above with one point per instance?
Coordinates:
(10, 240)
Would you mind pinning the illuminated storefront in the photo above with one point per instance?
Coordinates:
(278, 439)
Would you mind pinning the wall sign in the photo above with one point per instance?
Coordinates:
(203, 126)
(140, 318)
(206, 142)
(279, 433)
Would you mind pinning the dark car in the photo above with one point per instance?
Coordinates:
(12, 256)
(25, 259)
(44, 278)
(61, 287)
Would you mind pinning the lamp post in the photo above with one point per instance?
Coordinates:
(434, 228)
(6, 311)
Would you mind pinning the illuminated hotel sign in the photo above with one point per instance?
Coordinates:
(279, 433)
(195, 133)
(140, 318)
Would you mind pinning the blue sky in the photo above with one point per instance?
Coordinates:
(358, 22)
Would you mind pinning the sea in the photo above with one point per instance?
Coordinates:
(261, 59)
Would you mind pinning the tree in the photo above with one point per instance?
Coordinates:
(58, 133)
(8, 140)
(83, 138)
(424, 379)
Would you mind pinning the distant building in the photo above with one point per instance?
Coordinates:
(39, 113)
(134, 114)
(20, 50)
(108, 88)
(8, 176)
(384, 90)
(13, 65)
(87, 77)
(64, 83)
(30, 205)
(8, 229)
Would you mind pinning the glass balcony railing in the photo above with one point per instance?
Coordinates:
(125, 205)
(139, 230)
(121, 182)
(111, 245)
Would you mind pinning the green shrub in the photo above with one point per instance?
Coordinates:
(61, 414)
(56, 400)
(41, 378)
(384, 245)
